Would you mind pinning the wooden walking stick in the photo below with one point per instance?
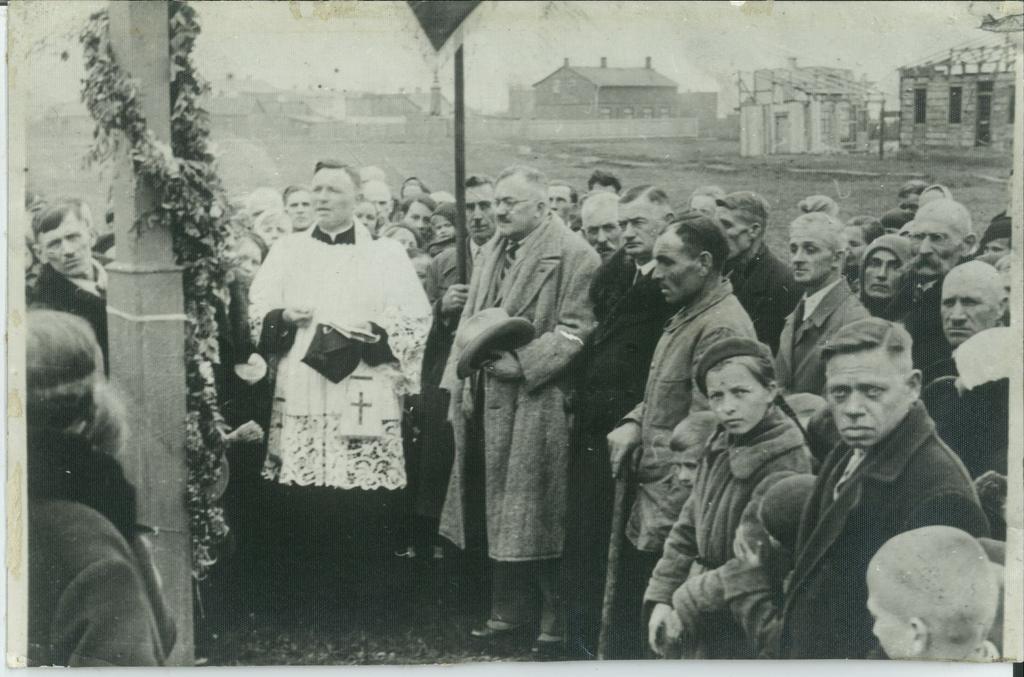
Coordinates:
(625, 489)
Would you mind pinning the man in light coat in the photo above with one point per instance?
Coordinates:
(688, 267)
(510, 419)
(817, 249)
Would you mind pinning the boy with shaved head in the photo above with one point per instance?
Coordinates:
(889, 474)
(933, 596)
(817, 248)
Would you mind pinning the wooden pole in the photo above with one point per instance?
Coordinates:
(881, 131)
(461, 249)
(145, 306)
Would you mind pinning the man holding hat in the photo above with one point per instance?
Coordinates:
(941, 238)
(891, 473)
(689, 256)
(762, 283)
(509, 418)
(817, 254)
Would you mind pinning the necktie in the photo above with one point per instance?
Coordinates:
(851, 465)
(798, 316)
(511, 247)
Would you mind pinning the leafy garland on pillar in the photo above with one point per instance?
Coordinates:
(192, 204)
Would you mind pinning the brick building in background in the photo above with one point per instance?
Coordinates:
(961, 98)
(595, 93)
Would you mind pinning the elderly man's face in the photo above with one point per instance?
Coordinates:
(881, 274)
(642, 222)
(68, 247)
(812, 260)
(937, 247)
(334, 197)
(519, 207)
(560, 200)
(739, 233)
(870, 393)
(969, 305)
(418, 217)
(379, 194)
(601, 227)
(480, 213)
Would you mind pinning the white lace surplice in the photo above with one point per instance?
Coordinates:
(345, 435)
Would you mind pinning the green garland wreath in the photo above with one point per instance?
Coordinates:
(193, 206)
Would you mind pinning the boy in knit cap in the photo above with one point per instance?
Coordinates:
(933, 596)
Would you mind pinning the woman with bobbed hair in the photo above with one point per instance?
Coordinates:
(756, 437)
(94, 595)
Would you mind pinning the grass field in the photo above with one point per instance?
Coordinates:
(861, 184)
(423, 622)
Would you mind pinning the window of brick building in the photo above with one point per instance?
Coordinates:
(920, 103)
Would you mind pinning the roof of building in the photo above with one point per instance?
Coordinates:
(991, 52)
(618, 77)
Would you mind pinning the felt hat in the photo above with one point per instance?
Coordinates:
(782, 506)
(734, 346)
(998, 228)
(894, 219)
(489, 330)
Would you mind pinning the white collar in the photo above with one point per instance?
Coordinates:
(97, 285)
(811, 302)
(646, 268)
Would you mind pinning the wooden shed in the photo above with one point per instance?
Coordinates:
(803, 110)
(961, 98)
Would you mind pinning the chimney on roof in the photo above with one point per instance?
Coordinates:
(792, 62)
(604, 62)
(647, 63)
(566, 64)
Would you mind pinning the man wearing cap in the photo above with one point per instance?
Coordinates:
(610, 375)
(817, 249)
(510, 419)
(891, 473)
(995, 243)
(941, 238)
(763, 284)
(689, 256)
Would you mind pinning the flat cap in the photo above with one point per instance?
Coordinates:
(734, 346)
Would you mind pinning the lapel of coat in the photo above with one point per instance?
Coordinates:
(485, 282)
(884, 464)
(617, 289)
(687, 315)
(532, 267)
(832, 301)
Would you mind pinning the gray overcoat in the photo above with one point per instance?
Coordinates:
(526, 425)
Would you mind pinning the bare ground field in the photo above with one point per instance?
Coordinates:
(860, 183)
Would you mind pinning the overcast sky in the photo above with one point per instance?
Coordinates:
(374, 46)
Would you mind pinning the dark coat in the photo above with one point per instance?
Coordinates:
(54, 291)
(918, 307)
(765, 288)
(525, 422)
(798, 363)
(701, 540)
(610, 374)
(974, 423)
(909, 480)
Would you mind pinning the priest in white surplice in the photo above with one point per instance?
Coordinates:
(338, 425)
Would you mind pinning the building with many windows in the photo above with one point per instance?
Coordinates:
(963, 97)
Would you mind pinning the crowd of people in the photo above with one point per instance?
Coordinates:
(661, 437)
